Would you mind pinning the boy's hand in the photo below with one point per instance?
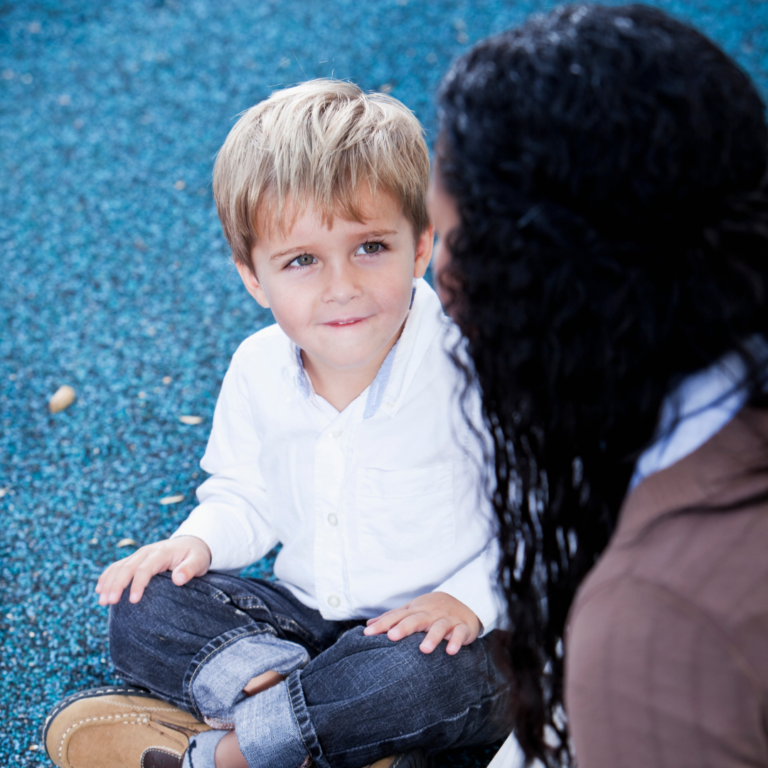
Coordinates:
(441, 616)
(186, 556)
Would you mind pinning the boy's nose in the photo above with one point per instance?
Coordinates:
(342, 284)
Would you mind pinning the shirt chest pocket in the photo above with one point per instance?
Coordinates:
(406, 514)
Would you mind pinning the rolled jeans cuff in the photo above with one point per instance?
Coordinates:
(267, 732)
(227, 664)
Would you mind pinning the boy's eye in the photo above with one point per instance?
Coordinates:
(370, 248)
(305, 260)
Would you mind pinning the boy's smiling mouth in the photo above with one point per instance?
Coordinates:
(345, 321)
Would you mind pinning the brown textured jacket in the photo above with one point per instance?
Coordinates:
(667, 645)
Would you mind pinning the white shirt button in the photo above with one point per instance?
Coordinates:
(332, 519)
(334, 601)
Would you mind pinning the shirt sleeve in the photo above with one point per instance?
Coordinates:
(232, 517)
(653, 680)
(476, 585)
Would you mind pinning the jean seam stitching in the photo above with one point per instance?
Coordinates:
(294, 683)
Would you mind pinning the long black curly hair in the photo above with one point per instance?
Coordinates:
(609, 170)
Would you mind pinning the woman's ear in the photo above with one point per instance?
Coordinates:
(423, 251)
(251, 283)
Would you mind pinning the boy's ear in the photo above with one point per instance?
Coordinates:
(251, 283)
(423, 251)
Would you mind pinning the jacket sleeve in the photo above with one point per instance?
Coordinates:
(232, 517)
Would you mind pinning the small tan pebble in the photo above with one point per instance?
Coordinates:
(191, 420)
(62, 398)
(94, 540)
(167, 380)
(34, 747)
(126, 543)
(142, 395)
(172, 499)
(3, 491)
(180, 184)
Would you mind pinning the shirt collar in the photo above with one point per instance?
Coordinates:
(699, 407)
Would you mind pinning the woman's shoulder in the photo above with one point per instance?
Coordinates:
(667, 635)
(700, 527)
(654, 678)
(695, 536)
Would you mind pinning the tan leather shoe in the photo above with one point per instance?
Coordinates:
(118, 728)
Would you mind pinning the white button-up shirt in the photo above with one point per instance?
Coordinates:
(373, 505)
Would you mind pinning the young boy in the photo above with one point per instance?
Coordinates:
(337, 434)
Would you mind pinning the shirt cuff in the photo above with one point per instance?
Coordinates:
(231, 547)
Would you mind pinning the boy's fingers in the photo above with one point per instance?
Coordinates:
(141, 576)
(107, 577)
(137, 569)
(189, 567)
(113, 585)
(458, 637)
(385, 622)
(413, 622)
(140, 581)
(434, 636)
(380, 617)
(117, 577)
(194, 563)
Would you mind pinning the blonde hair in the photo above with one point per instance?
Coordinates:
(317, 142)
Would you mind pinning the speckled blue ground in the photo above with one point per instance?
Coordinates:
(114, 277)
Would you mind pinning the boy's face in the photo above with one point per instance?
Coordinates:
(341, 294)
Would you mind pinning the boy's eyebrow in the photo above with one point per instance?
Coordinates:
(280, 254)
(295, 248)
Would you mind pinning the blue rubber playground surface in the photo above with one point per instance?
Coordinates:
(115, 278)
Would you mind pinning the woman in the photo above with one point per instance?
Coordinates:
(600, 190)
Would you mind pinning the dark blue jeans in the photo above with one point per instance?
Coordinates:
(348, 699)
